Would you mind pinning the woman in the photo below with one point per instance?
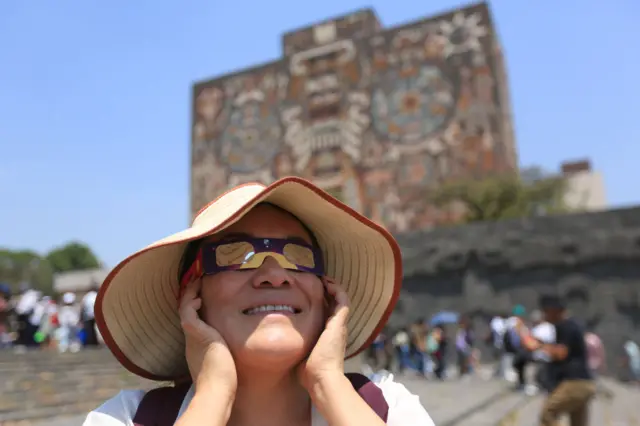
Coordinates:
(257, 303)
(439, 356)
(464, 346)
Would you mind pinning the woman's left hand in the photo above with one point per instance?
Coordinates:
(326, 360)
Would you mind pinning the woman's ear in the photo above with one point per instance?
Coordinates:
(201, 311)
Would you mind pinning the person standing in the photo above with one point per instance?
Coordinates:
(439, 356)
(464, 346)
(418, 336)
(25, 309)
(402, 342)
(632, 352)
(88, 318)
(5, 308)
(572, 386)
(496, 340)
(515, 331)
(543, 332)
(596, 355)
(68, 318)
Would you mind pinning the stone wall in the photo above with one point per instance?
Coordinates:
(592, 259)
(359, 109)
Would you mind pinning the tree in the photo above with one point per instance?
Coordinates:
(73, 256)
(503, 197)
(18, 266)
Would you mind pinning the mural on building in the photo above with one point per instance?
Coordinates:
(237, 132)
(375, 117)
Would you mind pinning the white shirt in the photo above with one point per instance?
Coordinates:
(39, 310)
(404, 407)
(68, 316)
(498, 326)
(27, 302)
(511, 322)
(545, 332)
(88, 302)
(401, 338)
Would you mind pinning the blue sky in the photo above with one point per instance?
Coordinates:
(95, 98)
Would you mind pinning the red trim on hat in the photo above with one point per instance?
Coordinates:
(194, 272)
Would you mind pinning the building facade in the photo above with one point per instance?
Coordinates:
(376, 117)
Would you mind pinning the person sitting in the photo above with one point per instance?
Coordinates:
(251, 312)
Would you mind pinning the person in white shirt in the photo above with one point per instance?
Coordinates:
(25, 310)
(515, 328)
(68, 319)
(88, 317)
(498, 327)
(252, 311)
(544, 332)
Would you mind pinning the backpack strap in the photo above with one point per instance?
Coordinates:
(370, 393)
(160, 406)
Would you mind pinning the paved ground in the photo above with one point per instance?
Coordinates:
(478, 402)
(446, 401)
(623, 409)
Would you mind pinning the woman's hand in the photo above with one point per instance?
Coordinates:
(210, 362)
(326, 360)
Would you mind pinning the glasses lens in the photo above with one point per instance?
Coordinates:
(235, 253)
(299, 255)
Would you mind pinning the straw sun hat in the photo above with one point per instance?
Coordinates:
(137, 309)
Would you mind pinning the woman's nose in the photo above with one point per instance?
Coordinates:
(270, 273)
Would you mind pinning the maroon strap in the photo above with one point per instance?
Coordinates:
(371, 394)
(160, 406)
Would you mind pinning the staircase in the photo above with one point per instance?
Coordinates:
(40, 385)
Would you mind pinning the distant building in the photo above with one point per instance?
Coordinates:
(78, 281)
(585, 187)
(375, 116)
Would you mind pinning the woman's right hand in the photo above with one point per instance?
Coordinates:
(208, 357)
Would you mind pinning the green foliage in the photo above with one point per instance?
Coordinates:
(73, 256)
(503, 197)
(17, 266)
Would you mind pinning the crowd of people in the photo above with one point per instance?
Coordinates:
(31, 320)
(424, 347)
(563, 357)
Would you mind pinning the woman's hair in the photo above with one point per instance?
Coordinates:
(191, 250)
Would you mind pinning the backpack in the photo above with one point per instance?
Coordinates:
(511, 341)
(160, 406)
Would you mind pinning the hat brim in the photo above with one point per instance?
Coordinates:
(137, 310)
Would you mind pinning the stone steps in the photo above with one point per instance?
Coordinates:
(40, 385)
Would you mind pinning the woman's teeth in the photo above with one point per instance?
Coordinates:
(270, 308)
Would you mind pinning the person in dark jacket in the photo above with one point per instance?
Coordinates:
(571, 386)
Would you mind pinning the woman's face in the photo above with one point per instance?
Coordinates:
(260, 338)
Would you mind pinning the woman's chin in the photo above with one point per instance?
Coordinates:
(273, 345)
